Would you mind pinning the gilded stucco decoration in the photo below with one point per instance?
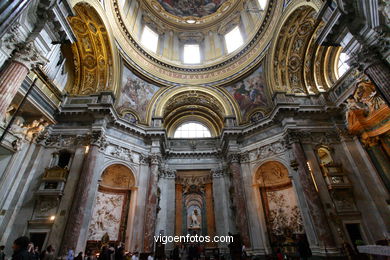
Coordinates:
(290, 49)
(298, 65)
(93, 59)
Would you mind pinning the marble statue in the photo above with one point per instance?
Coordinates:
(194, 219)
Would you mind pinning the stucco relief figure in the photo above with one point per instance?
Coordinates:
(135, 94)
(106, 216)
(198, 8)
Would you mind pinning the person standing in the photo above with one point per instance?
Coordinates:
(135, 256)
(70, 255)
(20, 249)
(2, 254)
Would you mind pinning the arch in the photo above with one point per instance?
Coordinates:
(206, 105)
(114, 207)
(95, 56)
(278, 201)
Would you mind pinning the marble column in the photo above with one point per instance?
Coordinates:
(379, 73)
(13, 75)
(313, 201)
(239, 201)
(151, 204)
(210, 210)
(78, 208)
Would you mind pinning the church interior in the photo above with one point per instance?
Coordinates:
(123, 120)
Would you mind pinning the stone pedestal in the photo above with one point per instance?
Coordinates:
(77, 211)
(312, 199)
(239, 201)
(151, 205)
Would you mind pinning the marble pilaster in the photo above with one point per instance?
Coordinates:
(318, 218)
(239, 200)
(258, 239)
(223, 220)
(178, 209)
(210, 210)
(151, 204)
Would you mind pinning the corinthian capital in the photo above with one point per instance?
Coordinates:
(28, 55)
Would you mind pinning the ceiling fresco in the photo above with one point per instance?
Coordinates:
(196, 8)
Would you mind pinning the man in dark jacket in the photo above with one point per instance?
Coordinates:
(20, 249)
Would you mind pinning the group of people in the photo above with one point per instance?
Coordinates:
(24, 249)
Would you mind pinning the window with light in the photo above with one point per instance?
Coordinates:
(192, 130)
(233, 39)
(191, 54)
(149, 39)
(262, 3)
(342, 65)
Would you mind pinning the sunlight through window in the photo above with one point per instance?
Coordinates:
(233, 39)
(192, 130)
(191, 53)
(263, 4)
(342, 65)
(149, 39)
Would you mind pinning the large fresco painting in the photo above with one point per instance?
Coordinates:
(197, 8)
(135, 94)
(251, 93)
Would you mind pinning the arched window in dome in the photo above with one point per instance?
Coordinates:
(233, 39)
(262, 3)
(191, 54)
(149, 39)
(192, 130)
(342, 65)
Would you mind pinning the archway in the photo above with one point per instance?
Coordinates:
(112, 206)
(280, 206)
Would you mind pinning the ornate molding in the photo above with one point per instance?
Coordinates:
(122, 153)
(218, 172)
(28, 55)
(167, 173)
(327, 137)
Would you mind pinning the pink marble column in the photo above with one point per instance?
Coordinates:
(76, 213)
(151, 205)
(239, 202)
(317, 212)
(11, 78)
(25, 57)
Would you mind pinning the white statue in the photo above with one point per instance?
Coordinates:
(194, 219)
